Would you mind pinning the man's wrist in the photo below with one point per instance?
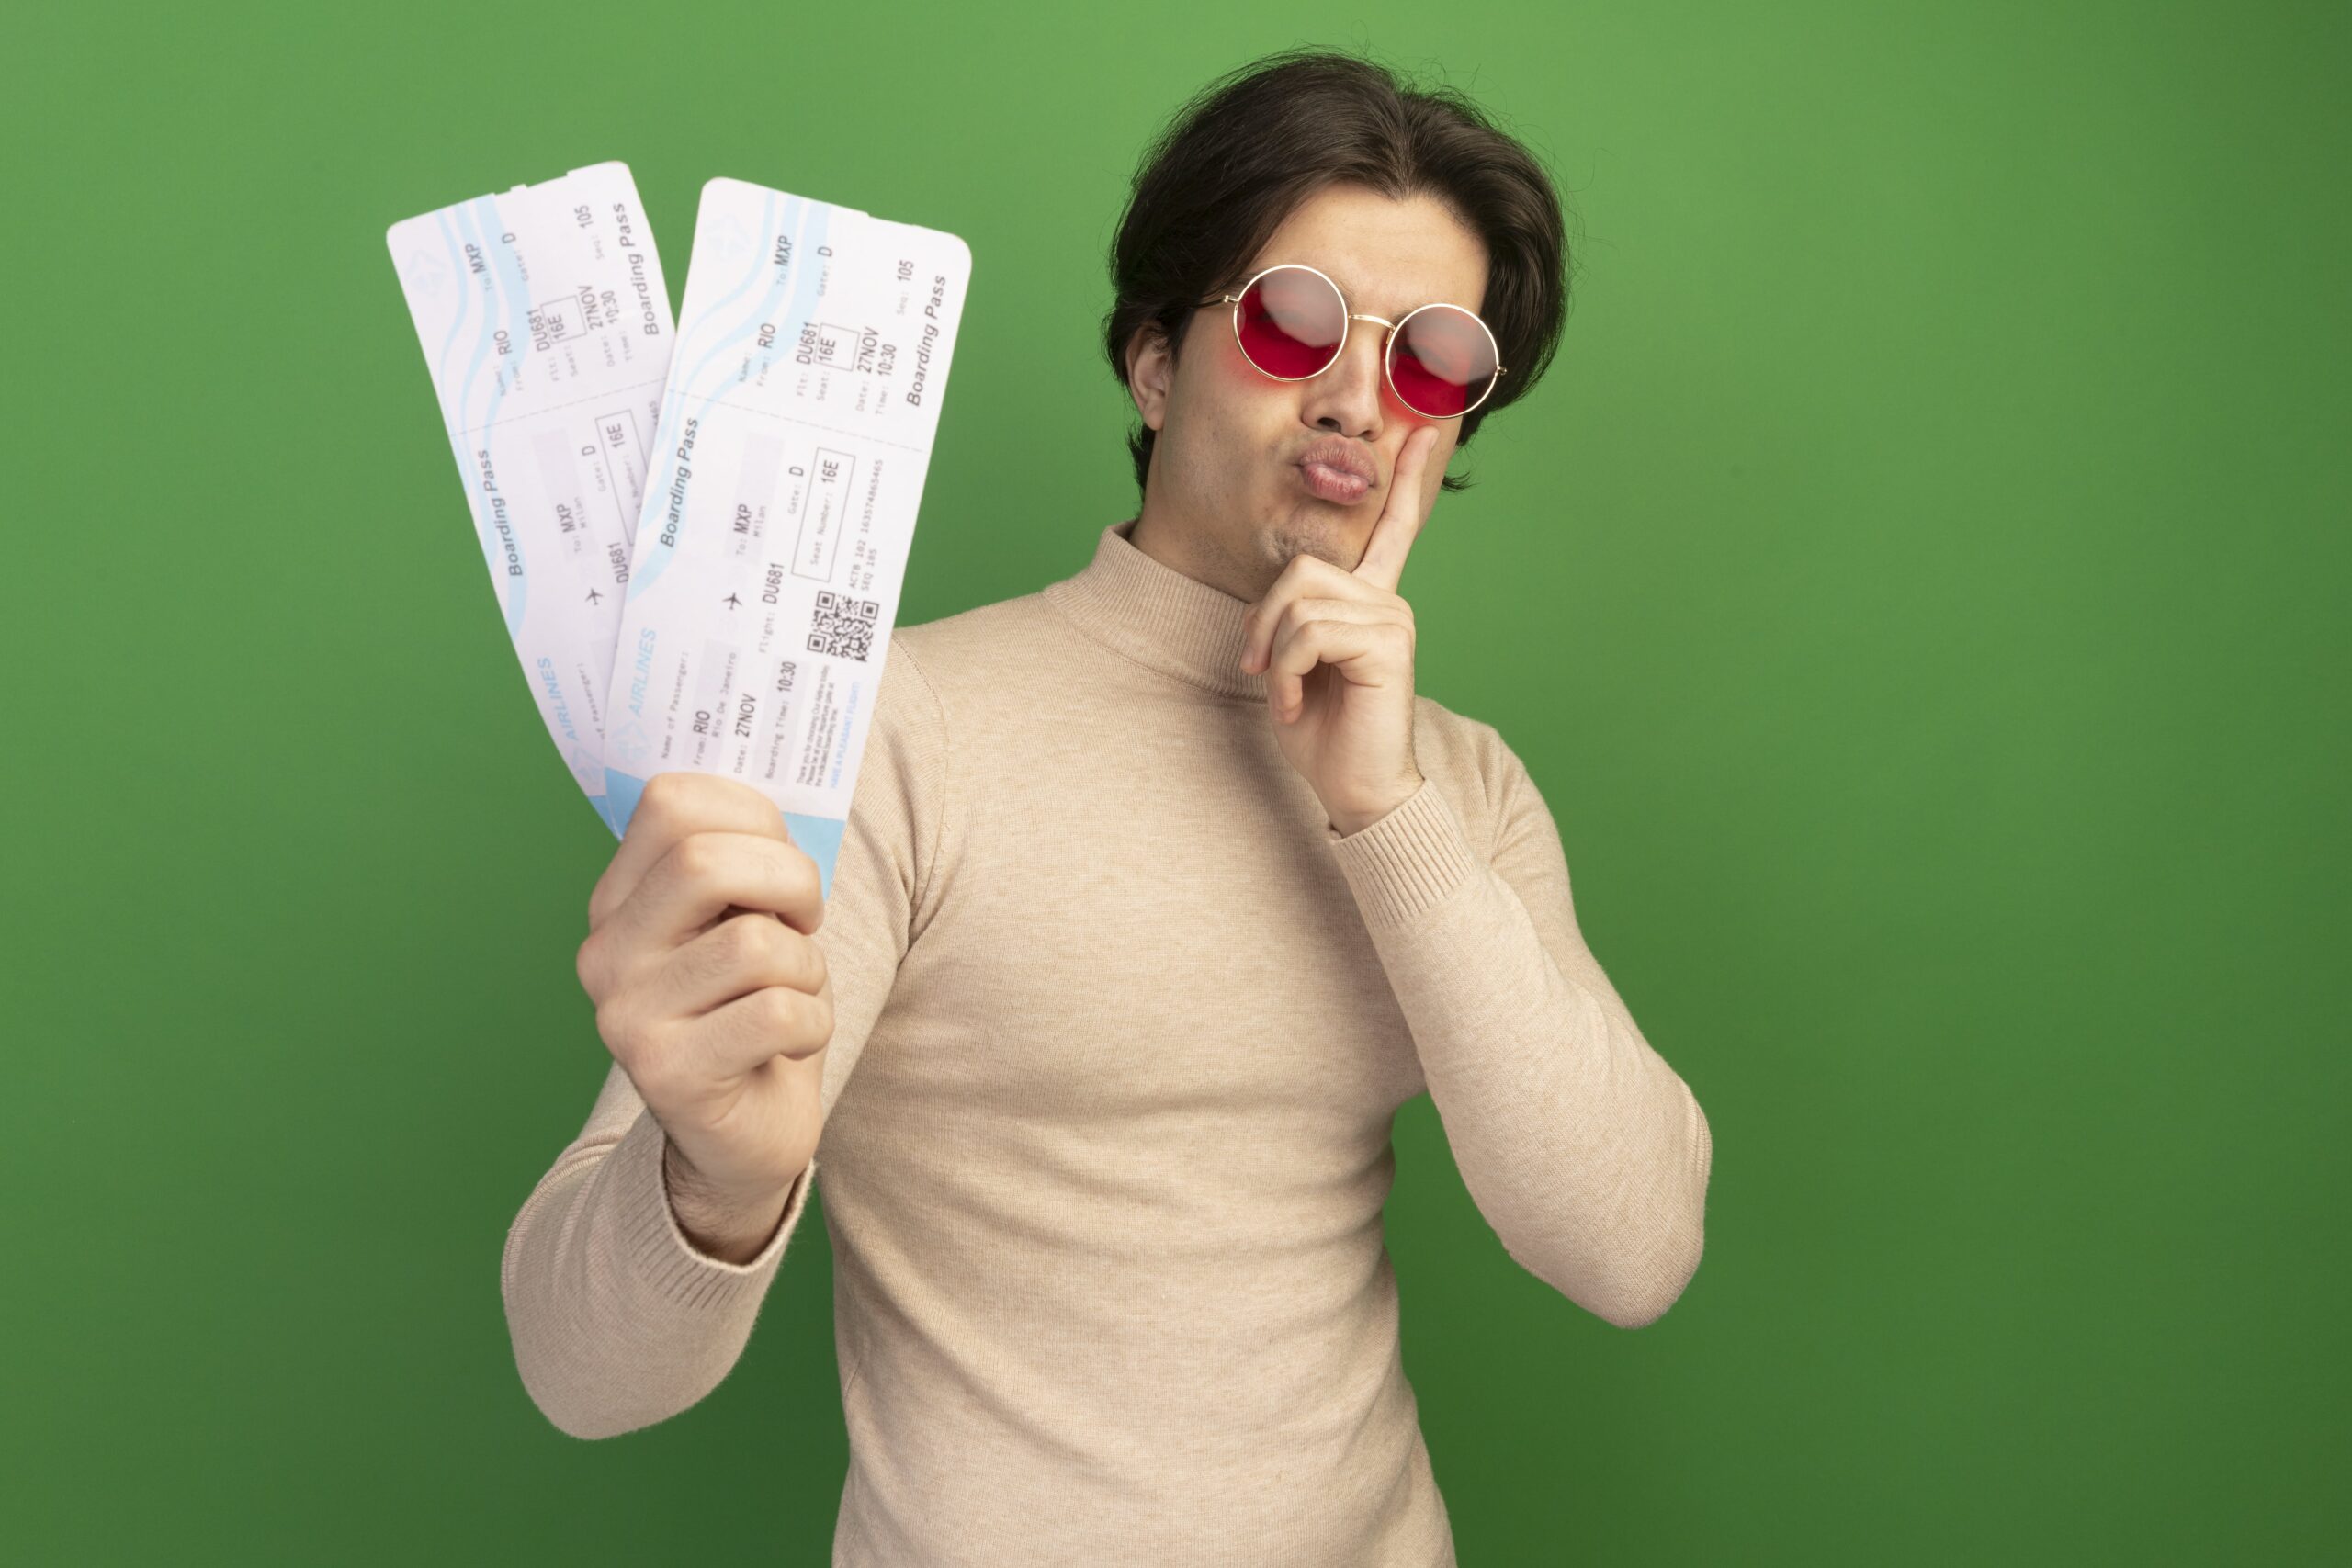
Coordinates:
(724, 1227)
(1348, 823)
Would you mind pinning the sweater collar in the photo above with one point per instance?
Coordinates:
(1159, 617)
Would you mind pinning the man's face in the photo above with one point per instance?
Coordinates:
(1226, 494)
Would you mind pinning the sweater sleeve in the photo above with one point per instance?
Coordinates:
(618, 1321)
(1588, 1154)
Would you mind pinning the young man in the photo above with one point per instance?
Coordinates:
(1162, 891)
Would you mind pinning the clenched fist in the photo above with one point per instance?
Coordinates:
(714, 999)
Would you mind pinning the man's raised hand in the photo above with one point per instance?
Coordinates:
(713, 997)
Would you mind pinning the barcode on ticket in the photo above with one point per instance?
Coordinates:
(842, 627)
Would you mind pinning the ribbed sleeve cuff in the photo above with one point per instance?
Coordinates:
(1407, 861)
(659, 1251)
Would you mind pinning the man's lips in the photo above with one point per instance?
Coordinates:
(1335, 473)
(1333, 484)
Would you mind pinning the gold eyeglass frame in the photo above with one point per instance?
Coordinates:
(1387, 347)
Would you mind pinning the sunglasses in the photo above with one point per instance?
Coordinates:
(1292, 323)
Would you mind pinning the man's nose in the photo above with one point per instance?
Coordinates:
(1345, 399)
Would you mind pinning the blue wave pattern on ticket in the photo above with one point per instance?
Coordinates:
(795, 432)
(701, 366)
(546, 323)
(500, 286)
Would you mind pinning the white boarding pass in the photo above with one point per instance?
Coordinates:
(546, 327)
(795, 431)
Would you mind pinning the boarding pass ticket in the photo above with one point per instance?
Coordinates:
(546, 323)
(796, 430)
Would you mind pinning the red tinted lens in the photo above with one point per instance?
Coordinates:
(1291, 323)
(1443, 361)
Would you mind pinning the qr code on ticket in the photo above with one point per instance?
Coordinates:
(842, 627)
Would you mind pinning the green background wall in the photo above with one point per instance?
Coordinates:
(1920, 589)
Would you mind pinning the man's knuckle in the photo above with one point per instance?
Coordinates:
(589, 963)
(697, 857)
(746, 940)
(794, 960)
(795, 873)
(666, 793)
(813, 1020)
(780, 1012)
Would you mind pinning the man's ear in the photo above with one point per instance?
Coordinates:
(1151, 370)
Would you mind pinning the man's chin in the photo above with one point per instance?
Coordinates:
(1313, 529)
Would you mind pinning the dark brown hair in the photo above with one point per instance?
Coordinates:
(1234, 162)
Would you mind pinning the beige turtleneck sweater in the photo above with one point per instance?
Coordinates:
(1121, 1021)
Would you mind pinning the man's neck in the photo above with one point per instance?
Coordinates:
(1180, 548)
